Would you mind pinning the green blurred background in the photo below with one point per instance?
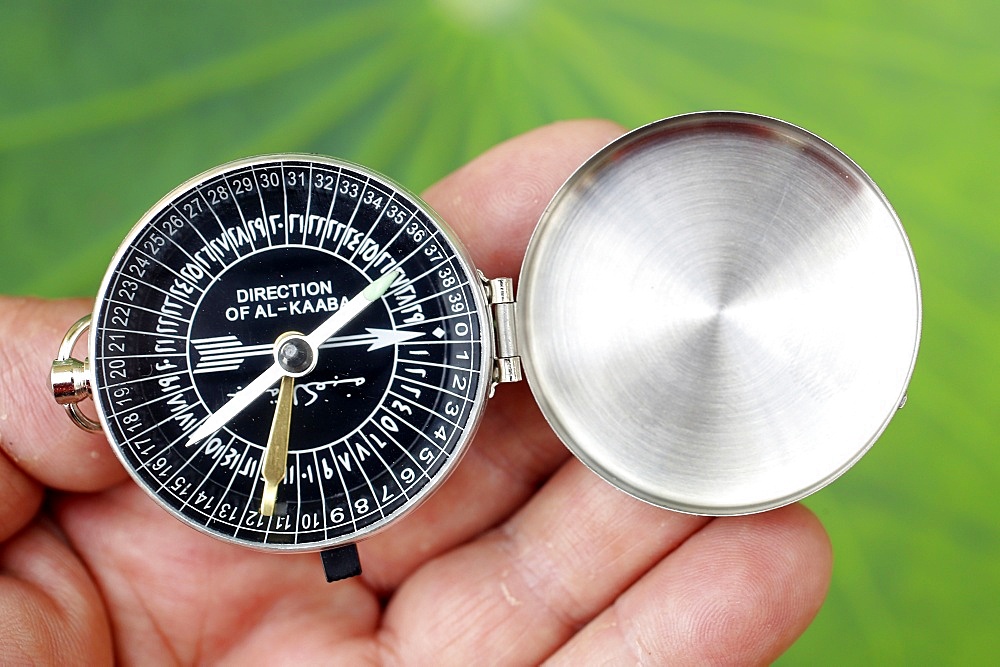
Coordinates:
(105, 106)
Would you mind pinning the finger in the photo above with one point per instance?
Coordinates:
(738, 592)
(522, 591)
(20, 497)
(494, 201)
(50, 612)
(173, 591)
(35, 432)
(493, 204)
(513, 453)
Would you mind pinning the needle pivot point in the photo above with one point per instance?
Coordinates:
(294, 354)
(201, 381)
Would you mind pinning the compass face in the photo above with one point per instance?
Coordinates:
(188, 317)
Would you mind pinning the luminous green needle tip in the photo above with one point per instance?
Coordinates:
(375, 291)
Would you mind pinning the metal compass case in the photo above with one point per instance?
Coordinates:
(718, 313)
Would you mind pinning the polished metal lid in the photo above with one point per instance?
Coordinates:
(719, 313)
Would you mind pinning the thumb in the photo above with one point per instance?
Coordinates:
(35, 433)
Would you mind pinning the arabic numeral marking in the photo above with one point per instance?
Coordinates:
(180, 486)
(459, 382)
(350, 188)
(121, 396)
(116, 370)
(192, 207)
(426, 455)
(441, 434)
(389, 424)
(138, 266)
(153, 244)
(309, 521)
(230, 459)
(408, 475)
(337, 515)
(172, 225)
(372, 200)
(242, 185)
(212, 448)
(269, 179)
(120, 315)
(324, 181)
(127, 289)
(361, 506)
(462, 330)
(249, 468)
(114, 345)
(447, 279)
(295, 178)
(402, 407)
(217, 194)
(396, 214)
(451, 409)
(415, 231)
(457, 305)
(434, 253)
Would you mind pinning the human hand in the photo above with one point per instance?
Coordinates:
(522, 556)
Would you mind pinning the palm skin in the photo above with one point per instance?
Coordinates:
(522, 556)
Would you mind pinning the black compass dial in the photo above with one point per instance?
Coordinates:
(186, 326)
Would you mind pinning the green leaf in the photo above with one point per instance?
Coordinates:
(106, 106)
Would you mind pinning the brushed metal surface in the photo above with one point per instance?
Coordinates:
(719, 313)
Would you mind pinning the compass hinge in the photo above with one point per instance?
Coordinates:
(506, 361)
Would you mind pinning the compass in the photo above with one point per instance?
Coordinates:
(718, 313)
(290, 351)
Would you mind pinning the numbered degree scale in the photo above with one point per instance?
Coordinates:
(718, 313)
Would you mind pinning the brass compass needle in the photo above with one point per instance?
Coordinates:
(244, 397)
(774, 280)
(275, 457)
(373, 292)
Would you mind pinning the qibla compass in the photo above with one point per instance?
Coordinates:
(718, 313)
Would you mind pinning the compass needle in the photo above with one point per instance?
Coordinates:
(239, 402)
(371, 293)
(230, 358)
(243, 398)
(280, 284)
(275, 459)
(766, 338)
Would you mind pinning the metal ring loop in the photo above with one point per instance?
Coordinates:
(72, 336)
(82, 420)
(65, 354)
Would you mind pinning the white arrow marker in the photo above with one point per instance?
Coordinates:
(378, 338)
(226, 353)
